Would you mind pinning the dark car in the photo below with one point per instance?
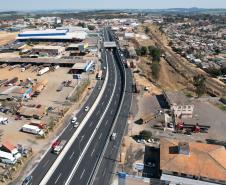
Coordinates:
(27, 180)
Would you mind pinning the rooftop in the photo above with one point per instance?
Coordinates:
(47, 47)
(177, 98)
(204, 160)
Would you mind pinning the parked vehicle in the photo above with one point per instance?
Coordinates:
(32, 129)
(10, 148)
(7, 158)
(58, 146)
(4, 121)
(43, 71)
(27, 180)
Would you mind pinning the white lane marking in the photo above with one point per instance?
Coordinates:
(90, 123)
(104, 171)
(94, 132)
(98, 112)
(115, 102)
(106, 123)
(58, 178)
(82, 137)
(93, 151)
(71, 155)
(82, 173)
(45, 164)
(100, 135)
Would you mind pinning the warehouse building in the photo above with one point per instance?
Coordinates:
(48, 50)
(52, 35)
(81, 67)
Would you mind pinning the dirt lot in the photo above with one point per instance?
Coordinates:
(48, 97)
(6, 37)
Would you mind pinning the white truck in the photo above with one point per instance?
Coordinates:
(43, 71)
(59, 146)
(7, 158)
(4, 121)
(32, 129)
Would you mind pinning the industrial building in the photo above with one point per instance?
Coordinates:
(179, 104)
(48, 50)
(192, 163)
(81, 67)
(54, 35)
(79, 47)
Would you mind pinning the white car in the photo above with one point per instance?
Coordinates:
(76, 124)
(73, 120)
(86, 108)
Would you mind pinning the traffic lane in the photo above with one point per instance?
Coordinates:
(86, 131)
(106, 168)
(91, 157)
(49, 158)
(77, 147)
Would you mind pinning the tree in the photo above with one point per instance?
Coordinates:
(217, 51)
(91, 27)
(214, 72)
(145, 134)
(155, 52)
(155, 68)
(146, 29)
(138, 51)
(143, 51)
(81, 24)
(200, 85)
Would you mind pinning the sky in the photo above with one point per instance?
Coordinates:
(107, 4)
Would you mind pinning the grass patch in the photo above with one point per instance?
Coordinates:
(222, 107)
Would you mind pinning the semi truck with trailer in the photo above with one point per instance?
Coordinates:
(32, 129)
(43, 71)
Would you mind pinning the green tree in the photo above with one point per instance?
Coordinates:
(81, 24)
(217, 51)
(143, 51)
(214, 72)
(155, 68)
(146, 29)
(155, 52)
(91, 27)
(138, 51)
(145, 134)
(200, 85)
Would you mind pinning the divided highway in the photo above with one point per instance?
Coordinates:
(84, 158)
(44, 165)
